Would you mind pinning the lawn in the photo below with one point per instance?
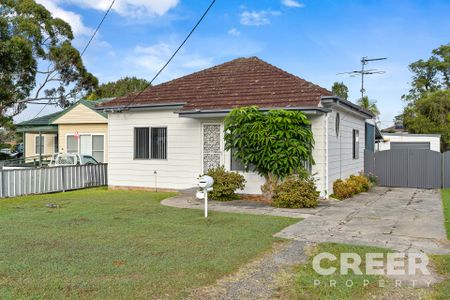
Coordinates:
(120, 244)
(304, 287)
(442, 262)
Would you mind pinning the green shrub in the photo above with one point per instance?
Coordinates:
(342, 189)
(225, 184)
(347, 188)
(362, 183)
(372, 178)
(295, 192)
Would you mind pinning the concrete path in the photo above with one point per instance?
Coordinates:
(402, 219)
(186, 199)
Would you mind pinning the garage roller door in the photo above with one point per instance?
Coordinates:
(410, 145)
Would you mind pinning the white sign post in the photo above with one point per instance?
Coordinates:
(206, 204)
(206, 184)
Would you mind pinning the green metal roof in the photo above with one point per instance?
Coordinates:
(41, 121)
(47, 120)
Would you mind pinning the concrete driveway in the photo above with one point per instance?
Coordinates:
(403, 219)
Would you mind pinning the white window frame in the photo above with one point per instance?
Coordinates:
(134, 142)
(150, 143)
(355, 143)
(40, 146)
(56, 144)
(79, 144)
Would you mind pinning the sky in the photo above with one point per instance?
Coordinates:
(313, 39)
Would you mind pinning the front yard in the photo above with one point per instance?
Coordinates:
(120, 244)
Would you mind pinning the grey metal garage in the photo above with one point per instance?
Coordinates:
(410, 145)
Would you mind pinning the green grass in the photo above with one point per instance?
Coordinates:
(120, 244)
(304, 284)
(446, 204)
(441, 263)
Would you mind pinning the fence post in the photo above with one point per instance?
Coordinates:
(442, 170)
(2, 184)
(63, 179)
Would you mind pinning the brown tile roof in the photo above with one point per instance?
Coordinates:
(394, 129)
(237, 83)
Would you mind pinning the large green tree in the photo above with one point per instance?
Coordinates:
(370, 105)
(277, 143)
(121, 87)
(430, 75)
(428, 101)
(430, 114)
(36, 47)
(340, 89)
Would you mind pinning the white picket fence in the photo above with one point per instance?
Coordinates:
(27, 181)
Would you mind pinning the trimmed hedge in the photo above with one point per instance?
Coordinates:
(295, 192)
(355, 184)
(226, 183)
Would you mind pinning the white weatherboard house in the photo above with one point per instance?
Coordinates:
(173, 132)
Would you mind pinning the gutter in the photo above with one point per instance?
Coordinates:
(121, 108)
(331, 100)
(224, 112)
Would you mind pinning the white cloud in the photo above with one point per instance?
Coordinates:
(74, 19)
(130, 8)
(292, 3)
(147, 60)
(257, 18)
(234, 32)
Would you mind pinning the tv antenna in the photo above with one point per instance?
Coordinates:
(364, 61)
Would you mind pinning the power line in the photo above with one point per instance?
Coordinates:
(98, 27)
(85, 47)
(173, 55)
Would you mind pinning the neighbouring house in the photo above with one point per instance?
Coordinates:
(173, 132)
(405, 140)
(78, 129)
(397, 137)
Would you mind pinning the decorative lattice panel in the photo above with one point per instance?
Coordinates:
(211, 146)
(210, 161)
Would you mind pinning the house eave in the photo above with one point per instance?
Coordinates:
(209, 113)
(37, 129)
(333, 100)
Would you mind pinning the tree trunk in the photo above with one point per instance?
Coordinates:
(268, 188)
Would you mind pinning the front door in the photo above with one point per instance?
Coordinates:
(212, 146)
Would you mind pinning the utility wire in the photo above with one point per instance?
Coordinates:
(85, 47)
(173, 55)
(98, 27)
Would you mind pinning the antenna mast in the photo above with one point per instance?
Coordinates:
(364, 61)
